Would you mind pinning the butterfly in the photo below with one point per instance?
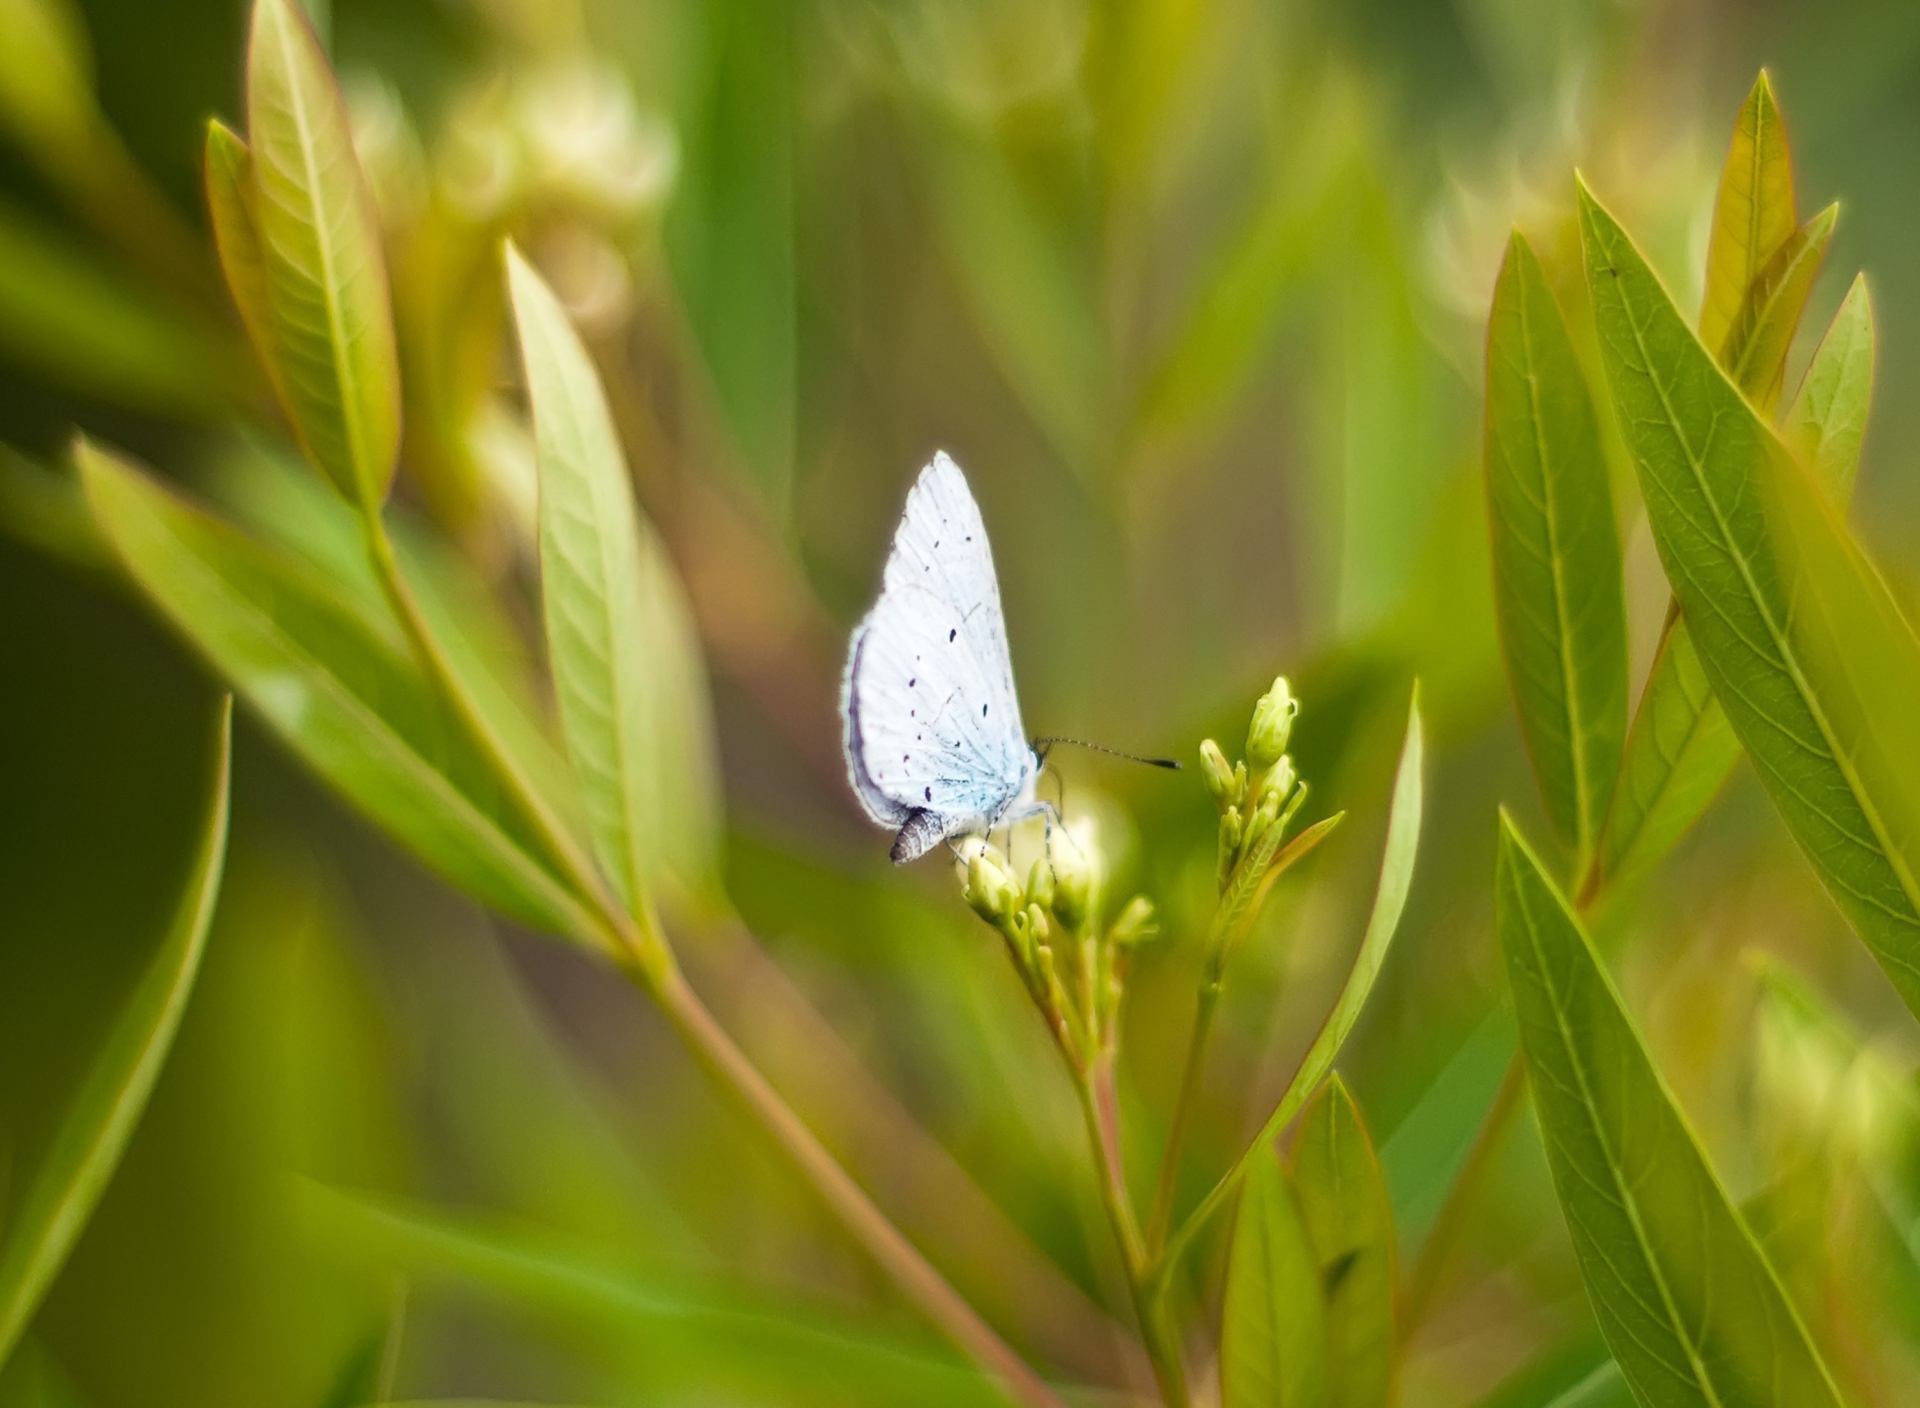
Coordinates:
(931, 723)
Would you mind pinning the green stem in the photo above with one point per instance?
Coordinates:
(1164, 1186)
(640, 948)
(1100, 1109)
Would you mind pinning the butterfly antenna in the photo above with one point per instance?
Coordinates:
(1043, 744)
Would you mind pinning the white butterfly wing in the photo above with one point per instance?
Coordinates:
(931, 718)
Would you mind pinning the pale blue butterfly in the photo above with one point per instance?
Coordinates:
(932, 725)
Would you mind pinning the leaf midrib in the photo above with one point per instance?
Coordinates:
(1787, 657)
(1628, 1203)
(336, 328)
(1582, 787)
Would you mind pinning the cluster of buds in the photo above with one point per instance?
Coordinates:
(1072, 962)
(1260, 794)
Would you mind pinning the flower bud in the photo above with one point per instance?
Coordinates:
(1279, 779)
(1136, 924)
(1040, 883)
(1037, 924)
(1231, 829)
(993, 895)
(1219, 776)
(1072, 881)
(1272, 726)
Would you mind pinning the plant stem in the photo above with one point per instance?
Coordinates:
(1424, 1279)
(1100, 1108)
(1162, 1215)
(638, 945)
(898, 1257)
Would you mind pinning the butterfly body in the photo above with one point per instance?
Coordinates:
(932, 730)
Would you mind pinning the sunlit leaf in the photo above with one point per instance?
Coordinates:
(101, 1119)
(1343, 1203)
(46, 80)
(711, 1334)
(1556, 551)
(81, 325)
(624, 656)
(1755, 352)
(1828, 417)
(320, 246)
(228, 176)
(1744, 535)
(1689, 1306)
(45, 508)
(343, 692)
(1273, 1329)
(1754, 214)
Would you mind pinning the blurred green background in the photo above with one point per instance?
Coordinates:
(1195, 290)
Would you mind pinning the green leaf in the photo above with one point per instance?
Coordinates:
(711, 1336)
(83, 326)
(1556, 552)
(1755, 352)
(1828, 417)
(94, 1133)
(1679, 752)
(46, 77)
(1754, 214)
(326, 277)
(339, 686)
(625, 660)
(1689, 1306)
(1745, 537)
(1343, 1202)
(1273, 1330)
(228, 176)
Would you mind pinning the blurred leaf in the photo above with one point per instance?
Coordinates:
(320, 245)
(730, 229)
(82, 326)
(94, 1132)
(1029, 289)
(1753, 215)
(46, 509)
(716, 1335)
(1679, 752)
(1755, 352)
(1689, 1306)
(1423, 1155)
(46, 74)
(343, 694)
(1343, 1202)
(1828, 417)
(623, 653)
(229, 179)
(1578, 1373)
(1273, 1329)
(1556, 552)
(1815, 726)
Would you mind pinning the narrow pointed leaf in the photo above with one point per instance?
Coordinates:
(338, 686)
(1738, 524)
(229, 181)
(1679, 753)
(1755, 352)
(1689, 1306)
(1828, 417)
(1556, 552)
(1343, 1202)
(1754, 214)
(1273, 1330)
(94, 1133)
(325, 271)
(624, 657)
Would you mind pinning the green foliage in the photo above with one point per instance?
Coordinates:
(106, 1109)
(1273, 1339)
(1690, 1307)
(1556, 552)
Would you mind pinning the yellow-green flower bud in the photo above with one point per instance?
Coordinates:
(1040, 884)
(1135, 925)
(990, 890)
(1231, 829)
(1072, 880)
(1037, 924)
(1272, 726)
(1218, 774)
(1279, 779)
